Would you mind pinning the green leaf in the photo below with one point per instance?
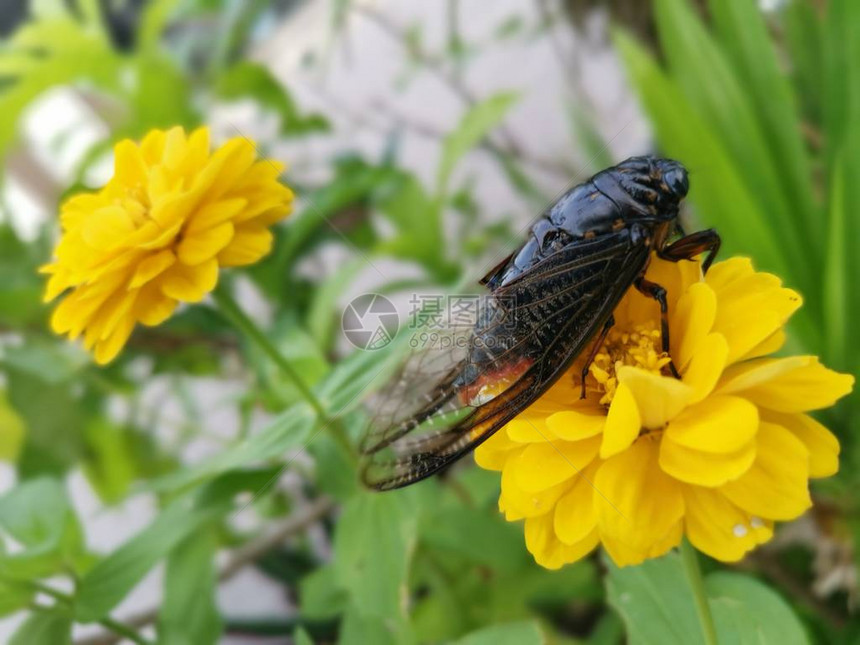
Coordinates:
(109, 581)
(492, 541)
(323, 314)
(655, 601)
(744, 36)
(12, 431)
(37, 514)
(320, 595)
(301, 637)
(288, 431)
(746, 612)
(252, 80)
(14, 596)
(835, 282)
(475, 125)
(54, 418)
(418, 222)
(189, 614)
(523, 633)
(52, 362)
(719, 193)
(44, 628)
(703, 72)
(373, 547)
(359, 629)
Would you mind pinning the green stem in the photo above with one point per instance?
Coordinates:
(703, 609)
(115, 626)
(231, 310)
(228, 306)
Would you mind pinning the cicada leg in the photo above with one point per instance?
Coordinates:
(654, 290)
(598, 343)
(692, 245)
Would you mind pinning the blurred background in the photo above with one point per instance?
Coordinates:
(421, 139)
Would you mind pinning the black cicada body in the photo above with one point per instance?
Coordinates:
(547, 302)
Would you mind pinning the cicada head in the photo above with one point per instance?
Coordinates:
(646, 188)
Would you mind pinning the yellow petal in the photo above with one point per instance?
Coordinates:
(705, 468)
(152, 307)
(152, 266)
(107, 349)
(823, 446)
(625, 555)
(494, 452)
(548, 551)
(575, 425)
(706, 366)
(623, 423)
(528, 427)
(750, 308)
(691, 322)
(574, 513)
(205, 244)
(769, 345)
(659, 398)
(517, 503)
(719, 424)
(544, 465)
(637, 504)
(775, 487)
(107, 228)
(724, 273)
(719, 528)
(795, 384)
(189, 283)
(216, 213)
(129, 165)
(247, 246)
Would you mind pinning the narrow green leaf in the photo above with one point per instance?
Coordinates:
(286, 432)
(12, 431)
(717, 190)
(523, 633)
(744, 36)
(189, 613)
(746, 612)
(109, 581)
(44, 628)
(835, 282)
(714, 91)
(476, 124)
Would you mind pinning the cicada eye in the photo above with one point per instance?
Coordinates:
(677, 181)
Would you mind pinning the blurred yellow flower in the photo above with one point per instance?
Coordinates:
(645, 458)
(172, 214)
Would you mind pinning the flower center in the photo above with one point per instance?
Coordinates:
(639, 347)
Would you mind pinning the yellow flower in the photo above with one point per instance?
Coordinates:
(158, 232)
(719, 454)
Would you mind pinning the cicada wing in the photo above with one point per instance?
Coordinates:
(422, 388)
(559, 306)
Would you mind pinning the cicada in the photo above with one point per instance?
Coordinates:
(546, 304)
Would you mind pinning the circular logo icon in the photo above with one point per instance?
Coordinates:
(370, 321)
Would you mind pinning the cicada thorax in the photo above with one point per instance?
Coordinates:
(641, 191)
